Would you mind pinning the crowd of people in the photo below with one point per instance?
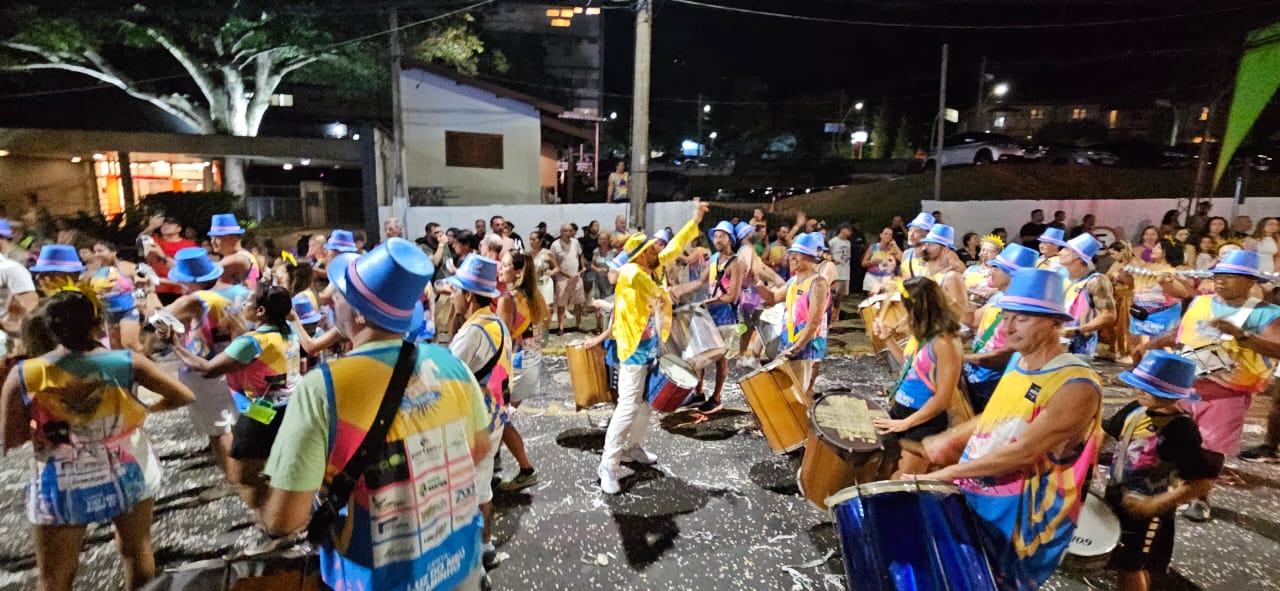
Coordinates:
(281, 361)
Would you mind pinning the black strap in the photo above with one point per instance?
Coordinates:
(338, 490)
(484, 371)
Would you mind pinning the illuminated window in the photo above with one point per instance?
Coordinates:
(998, 123)
(1111, 118)
(1204, 113)
(553, 12)
(282, 100)
(561, 22)
(1079, 113)
(1037, 113)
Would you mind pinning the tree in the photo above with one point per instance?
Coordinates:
(878, 136)
(454, 42)
(234, 53)
(902, 140)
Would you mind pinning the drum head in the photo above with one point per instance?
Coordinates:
(885, 487)
(679, 372)
(773, 314)
(843, 420)
(1098, 531)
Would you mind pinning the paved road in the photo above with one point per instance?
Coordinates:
(719, 511)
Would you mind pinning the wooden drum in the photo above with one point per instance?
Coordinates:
(778, 401)
(890, 311)
(843, 448)
(588, 375)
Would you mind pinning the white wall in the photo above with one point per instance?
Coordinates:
(433, 104)
(1126, 216)
(526, 217)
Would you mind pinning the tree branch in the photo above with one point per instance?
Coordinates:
(201, 77)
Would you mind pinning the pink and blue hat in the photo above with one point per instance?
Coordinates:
(809, 244)
(941, 234)
(6, 231)
(1236, 262)
(924, 220)
(1084, 246)
(742, 231)
(384, 284)
(727, 228)
(224, 224)
(1014, 258)
(1163, 374)
(341, 241)
(1036, 291)
(478, 275)
(1054, 236)
(58, 258)
(193, 265)
(305, 310)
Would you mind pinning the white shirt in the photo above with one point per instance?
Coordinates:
(841, 253)
(568, 258)
(14, 279)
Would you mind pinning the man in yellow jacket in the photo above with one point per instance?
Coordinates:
(641, 322)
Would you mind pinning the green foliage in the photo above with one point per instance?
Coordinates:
(453, 42)
(878, 136)
(902, 140)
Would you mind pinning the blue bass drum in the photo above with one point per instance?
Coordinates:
(906, 535)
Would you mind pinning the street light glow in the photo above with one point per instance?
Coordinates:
(859, 137)
(706, 108)
(713, 135)
(613, 115)
(857, 106)
(1000, 89)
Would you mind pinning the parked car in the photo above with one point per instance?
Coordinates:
(1069, 154)
(1138, 153)
(975, 147)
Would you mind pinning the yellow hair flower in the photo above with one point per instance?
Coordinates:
(288, 258)
(993, 238)
(51, 286)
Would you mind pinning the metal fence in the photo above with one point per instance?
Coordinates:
(282, 210)
(286, 205)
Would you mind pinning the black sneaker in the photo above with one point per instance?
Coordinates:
(521, 481)
(695, 400)
(489, 558)
(1266, 454)
(710, 406)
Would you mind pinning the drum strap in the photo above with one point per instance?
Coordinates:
(1122, 445)
(981, 341)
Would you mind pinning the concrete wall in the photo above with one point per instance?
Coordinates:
(1126, 217)
(433, 105)
(526, 217)
(62, 187)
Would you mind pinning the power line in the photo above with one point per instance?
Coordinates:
(899, 25)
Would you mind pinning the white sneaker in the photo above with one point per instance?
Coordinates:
(608, 480)
(639, 455)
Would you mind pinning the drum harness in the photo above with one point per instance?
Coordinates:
(1237, 318)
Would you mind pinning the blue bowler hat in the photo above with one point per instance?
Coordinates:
(924, 221)
(1236, 262)
(384, 284)
(224, 224)
(809, 244)
(6, 231)
(742, 231)
(727, 228)
(1084, 246)
(1035, 291)
(1014, 258)
(478, 275)
(1054, 236)
(941, 234)
(822, 241)
(1163, 374)
(341, 241)
(662, 236)
(58, 258)
(617, 262)
(193, 265)
(306, 312)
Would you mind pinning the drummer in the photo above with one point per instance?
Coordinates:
(1254, 347)
(804, 329)
(725, 274)
(640, 324)
(1158, 465)
(913, 262)
(935, 252)
(1052, 241)
(931, 370)
(984, 366)
(977, 278)
(1037, 436)
(1090, 298)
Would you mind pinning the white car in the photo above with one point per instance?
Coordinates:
(975, 147)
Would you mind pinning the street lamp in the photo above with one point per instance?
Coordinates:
(706, 108)
(613, 115)
(857, 106)
(713, 135)
(1000, 89)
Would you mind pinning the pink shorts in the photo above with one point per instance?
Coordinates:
(1220, 416)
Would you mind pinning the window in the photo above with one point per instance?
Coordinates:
(282, 100)
(998, 123)
(472, 150)
(1079, 113)
(1111, 118)
(1037, 113)
(1204, 113)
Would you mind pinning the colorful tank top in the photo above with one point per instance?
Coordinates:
(989, 337)
(920, 375)
(272, 367)
(251, 278)
(723, 314)
(415, 518)
(778, 254)
(912, 265)
(1027, 516)
(114, 288)
(221, 308)
(1147, 292)
(797, 317)
(884, 264)
(1079, 305)
(977, 282)
(92, 460)
(526, 336)
(1253, 371)
(749, 300)
(496, 381)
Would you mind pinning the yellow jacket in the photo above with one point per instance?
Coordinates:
(637, 293)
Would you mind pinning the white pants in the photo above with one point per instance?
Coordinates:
(630, 422)
(484, 469)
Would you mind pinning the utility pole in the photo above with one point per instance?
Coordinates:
(398, 187)
(639, 177)
(698, 114)
(942, 125)
(982, 87)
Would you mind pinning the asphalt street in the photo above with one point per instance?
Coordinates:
(718, 511)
